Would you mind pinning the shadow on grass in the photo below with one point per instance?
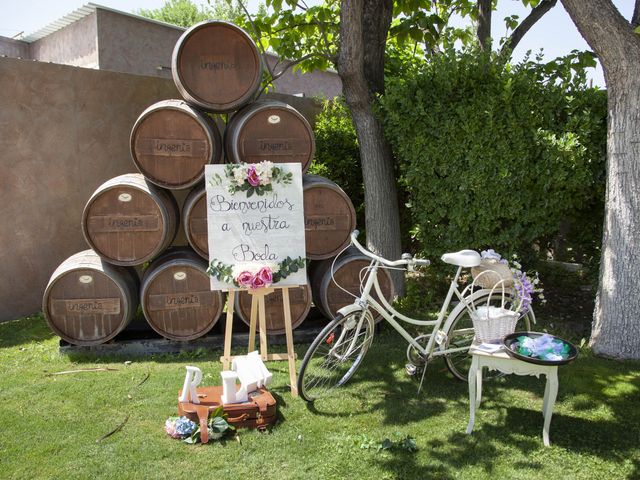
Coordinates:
(23, 331)
(579, 425)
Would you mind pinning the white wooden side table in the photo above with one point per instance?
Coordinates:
(502, 362)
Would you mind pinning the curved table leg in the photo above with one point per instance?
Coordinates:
(551, 392)
(473, 371)
(478, 386)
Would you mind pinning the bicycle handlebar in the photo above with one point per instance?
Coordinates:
(410, 262)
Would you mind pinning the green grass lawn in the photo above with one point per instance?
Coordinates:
(50, 424)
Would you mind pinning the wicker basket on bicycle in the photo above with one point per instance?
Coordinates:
(491, 322)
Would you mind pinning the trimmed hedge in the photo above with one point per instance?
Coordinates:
(493, 156)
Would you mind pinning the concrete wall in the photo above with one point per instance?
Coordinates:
(75, 44)
(119, 42)
(65, 130)
(131, 45)
(313, 84)
(13, 48)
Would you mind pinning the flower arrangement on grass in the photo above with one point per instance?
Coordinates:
(253, 275)
(527, 283)
(189, 431)
(254, 178)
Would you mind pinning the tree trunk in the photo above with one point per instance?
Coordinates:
(616, 323)
(364, 28)
(483, 29)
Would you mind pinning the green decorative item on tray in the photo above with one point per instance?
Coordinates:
(539, 348)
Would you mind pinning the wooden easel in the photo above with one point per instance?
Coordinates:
(258, 313)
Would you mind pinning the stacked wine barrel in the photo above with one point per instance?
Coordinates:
(131, 222)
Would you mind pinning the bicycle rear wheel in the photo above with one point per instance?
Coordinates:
(461, 334)
(335, 354)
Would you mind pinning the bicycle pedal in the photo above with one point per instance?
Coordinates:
(411, 369)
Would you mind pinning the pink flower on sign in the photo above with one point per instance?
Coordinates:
(252, 176)
(257, 282)
(245, 279)
(265, 275)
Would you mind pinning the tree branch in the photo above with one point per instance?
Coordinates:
(536, 14)
(483, 30)
(635, 18)
(292, 63)
(255, 32)
(606, 31)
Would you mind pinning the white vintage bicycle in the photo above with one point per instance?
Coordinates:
(338, 350)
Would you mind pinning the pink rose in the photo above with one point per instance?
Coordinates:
(244, 279)
(257, 283)
(252, 176)
(265, 275)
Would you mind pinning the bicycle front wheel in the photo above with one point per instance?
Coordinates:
(335, 354)
(460, 336)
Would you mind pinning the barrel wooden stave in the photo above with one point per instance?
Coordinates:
(194, 221)
(329, 217)
(176, 296)
(328, 297)
(270, 130)
(88, 301)
(171, 142)
(129, 221)
(216, 66)
(299, 298)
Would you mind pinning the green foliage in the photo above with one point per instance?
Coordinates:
(495, 156)
(186, 13)
(337, 155)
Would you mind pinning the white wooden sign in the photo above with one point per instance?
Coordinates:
(255, 223)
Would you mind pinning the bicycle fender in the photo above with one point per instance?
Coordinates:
(344, 311)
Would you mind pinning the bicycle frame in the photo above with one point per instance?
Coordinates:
(392, 316)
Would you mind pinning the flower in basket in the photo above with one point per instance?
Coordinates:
(526, 285)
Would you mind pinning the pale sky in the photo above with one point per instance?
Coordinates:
(555, 33)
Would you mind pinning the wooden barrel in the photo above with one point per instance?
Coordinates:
(216, 66)
(194, 221)
(129, 221)
(176, 296)
(87, 301)
(270, 130)
(299, 297)
(328, 297)
(329, 217)
(171, 142)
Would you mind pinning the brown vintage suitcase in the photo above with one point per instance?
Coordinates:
(259, 412)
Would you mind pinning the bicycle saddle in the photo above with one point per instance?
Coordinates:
(463, 258)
